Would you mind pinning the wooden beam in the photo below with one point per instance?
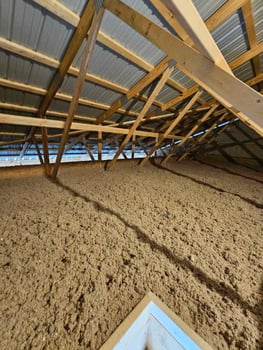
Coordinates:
(71, 51)
(79, 84)
(248, 55)
(224, 87)
(176, 121)
(142, 114)
(191, 132)
(87, 148)
(61, 11)
(191, 21)
(180, 98)
(38, 150)
(81, 127)
(251, 33)
(99, 146)
(146, 80)
(133, 145)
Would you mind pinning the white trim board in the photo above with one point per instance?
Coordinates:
(153, 326)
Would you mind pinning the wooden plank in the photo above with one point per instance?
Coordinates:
(38, 150)
(224, 87)
(133, 145)
(251, 33)
(191, 21)
(146, 80)
(81, 127)
(99, 146)
(71, 51)
(180, 98)
(142, 114)
(176, 121)
(87, 148)
(79, 84)
(58, 9)
(248, 55)
(191, 132)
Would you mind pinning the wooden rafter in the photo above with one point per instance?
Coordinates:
(90, 44)
(142, 114)
(220, 84)
(251, 33)
(189, 18)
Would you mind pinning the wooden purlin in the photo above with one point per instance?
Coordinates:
(221, 85)
(79, 84)
(78, 128)
(187, 15)
(251, 34)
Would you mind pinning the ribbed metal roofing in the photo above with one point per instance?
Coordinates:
(28, 24)
(90, 91)
(19, 97)
(76, 5)
(230, 37)
(258, 18)
(182, 79)
(23, 70)
(244, 72)
(131, 39)
(206, 8)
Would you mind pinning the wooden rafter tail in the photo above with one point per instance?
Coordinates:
(217, 82)
(175, 122)
(90, 44)
(191, 132)
(142, 114)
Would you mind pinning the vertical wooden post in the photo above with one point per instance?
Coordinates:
(99, 146)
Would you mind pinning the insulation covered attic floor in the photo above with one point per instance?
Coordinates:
(78, 254)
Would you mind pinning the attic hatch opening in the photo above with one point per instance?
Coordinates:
(153, 326)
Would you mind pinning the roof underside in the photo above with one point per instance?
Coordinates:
(34, 39)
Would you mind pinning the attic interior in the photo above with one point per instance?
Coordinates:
(174, 89)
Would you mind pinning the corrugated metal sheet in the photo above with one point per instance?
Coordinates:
(230, 37)
(146, 8)
(16, 68)
(257, 7)
(108, 65)
(76, 6)
(32, 26)
(166, 94)
(182, 79)
(18, 97)
(207, 7)
(131, 39)
(90, 91)
(244, 72)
